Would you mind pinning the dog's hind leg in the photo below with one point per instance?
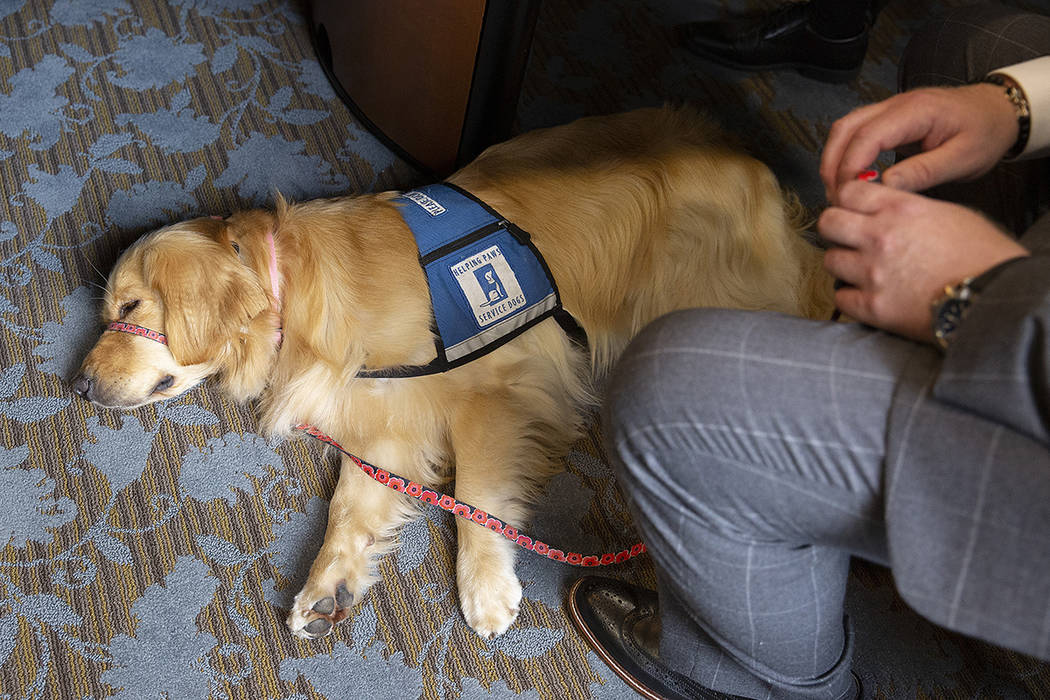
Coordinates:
(362, 519)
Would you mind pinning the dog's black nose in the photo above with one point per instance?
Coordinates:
(82, 386)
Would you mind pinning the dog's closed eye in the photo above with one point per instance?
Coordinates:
(164, 383)
(128, 308)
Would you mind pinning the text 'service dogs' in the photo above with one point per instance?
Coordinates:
(314, 310)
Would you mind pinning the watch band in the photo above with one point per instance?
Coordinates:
(1020, 102)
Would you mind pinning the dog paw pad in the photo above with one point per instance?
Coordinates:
(311, 621)
(325, 606)
(318, 627)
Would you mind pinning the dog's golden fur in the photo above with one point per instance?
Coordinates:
(636, 214)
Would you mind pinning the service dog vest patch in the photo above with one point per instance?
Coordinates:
(488, 282)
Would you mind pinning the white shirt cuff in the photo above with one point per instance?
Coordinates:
(1034, 78)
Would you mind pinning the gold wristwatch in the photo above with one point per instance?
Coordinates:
(1015, 94)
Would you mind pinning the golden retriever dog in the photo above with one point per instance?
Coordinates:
(636, 214)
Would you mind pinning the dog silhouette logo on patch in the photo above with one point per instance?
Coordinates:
(491, 285)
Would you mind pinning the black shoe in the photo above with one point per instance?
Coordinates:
(620, 621)
(783, 38)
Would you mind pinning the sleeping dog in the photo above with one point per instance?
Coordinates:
(312, 310)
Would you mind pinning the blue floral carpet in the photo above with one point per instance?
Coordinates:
(153, 553)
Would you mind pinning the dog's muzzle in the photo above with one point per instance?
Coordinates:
(82, 384)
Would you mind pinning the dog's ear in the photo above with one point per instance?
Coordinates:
(209, 297)
(215, 228)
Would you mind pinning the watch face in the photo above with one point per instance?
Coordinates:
(949, 317)
(949, 310)
(951, 313)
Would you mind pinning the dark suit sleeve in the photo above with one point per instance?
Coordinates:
(998, 365)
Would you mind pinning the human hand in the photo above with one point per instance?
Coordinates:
(896, 251)
(962, 132)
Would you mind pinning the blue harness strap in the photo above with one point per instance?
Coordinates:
(488, 282)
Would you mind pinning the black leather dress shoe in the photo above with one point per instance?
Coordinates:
(620, 621)
(784, 38)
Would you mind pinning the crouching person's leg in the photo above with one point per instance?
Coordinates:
(750, 448)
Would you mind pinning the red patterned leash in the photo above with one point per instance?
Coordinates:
(475, 515)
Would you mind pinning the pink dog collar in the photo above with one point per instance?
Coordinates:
(275, 286)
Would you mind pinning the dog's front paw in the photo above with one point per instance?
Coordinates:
(315, 613)
(337, 580)
(490, 603)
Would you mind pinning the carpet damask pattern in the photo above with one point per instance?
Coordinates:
(154, 553)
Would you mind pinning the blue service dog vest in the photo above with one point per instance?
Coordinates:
(488, 282)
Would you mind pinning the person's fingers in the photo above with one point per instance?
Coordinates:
(853, 302)
(868, 197)
(846, 265)
(838, 139)
(842, 227)
(882, 134)
(924, 170)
